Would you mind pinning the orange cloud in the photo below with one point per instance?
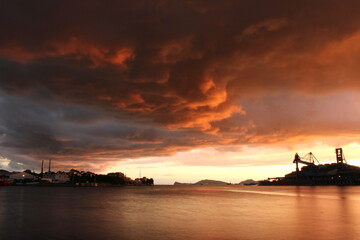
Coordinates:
(18, 54)
(78, 49)
(183, 75)
(177, 50)
(267, 25)
(121, 56)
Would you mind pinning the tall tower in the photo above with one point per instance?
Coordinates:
(339, 155)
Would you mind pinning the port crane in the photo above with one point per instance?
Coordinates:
(309, 160)
(340, 157)
(313, 174)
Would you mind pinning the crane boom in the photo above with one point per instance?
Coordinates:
(298, 160)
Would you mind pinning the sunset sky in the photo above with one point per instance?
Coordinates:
(179, 90)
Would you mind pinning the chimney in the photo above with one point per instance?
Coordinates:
(42, 167)
(49, 165)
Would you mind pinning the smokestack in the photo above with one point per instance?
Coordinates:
(42, 167)
(49, 165)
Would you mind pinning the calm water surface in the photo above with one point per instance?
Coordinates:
(180, 212)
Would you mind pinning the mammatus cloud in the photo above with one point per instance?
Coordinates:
(96, 82)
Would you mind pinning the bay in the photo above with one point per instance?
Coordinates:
(180, 212)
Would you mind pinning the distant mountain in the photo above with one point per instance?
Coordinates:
(249, 182)
(178, 183)
(210, 182)
(204, 182)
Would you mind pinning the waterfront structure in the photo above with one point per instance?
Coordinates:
(73, 177)
(339, 173)
(48, 177)
(22, 176)
(61, 177)
(4, 175)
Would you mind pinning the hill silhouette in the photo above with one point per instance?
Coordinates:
(204, 182)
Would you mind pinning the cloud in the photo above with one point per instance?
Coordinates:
(32, 130)
(73, 48)
(103, 81)
(267, 25)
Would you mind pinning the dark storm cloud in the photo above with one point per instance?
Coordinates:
(129, 79)
(32, 129)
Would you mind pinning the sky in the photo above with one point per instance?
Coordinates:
(178, 90)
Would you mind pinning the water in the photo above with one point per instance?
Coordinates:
(180, 212)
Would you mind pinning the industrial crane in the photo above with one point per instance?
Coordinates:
(309, 159)
(340, 157)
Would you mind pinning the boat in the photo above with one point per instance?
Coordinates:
(312, 174)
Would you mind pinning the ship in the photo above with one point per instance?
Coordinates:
(314, 173)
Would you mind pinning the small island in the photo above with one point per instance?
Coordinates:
(204, 182)
(215, 182)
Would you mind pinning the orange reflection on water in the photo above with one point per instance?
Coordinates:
(181, 212)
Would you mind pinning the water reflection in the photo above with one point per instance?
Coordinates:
(327, 212)
(180, 212)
